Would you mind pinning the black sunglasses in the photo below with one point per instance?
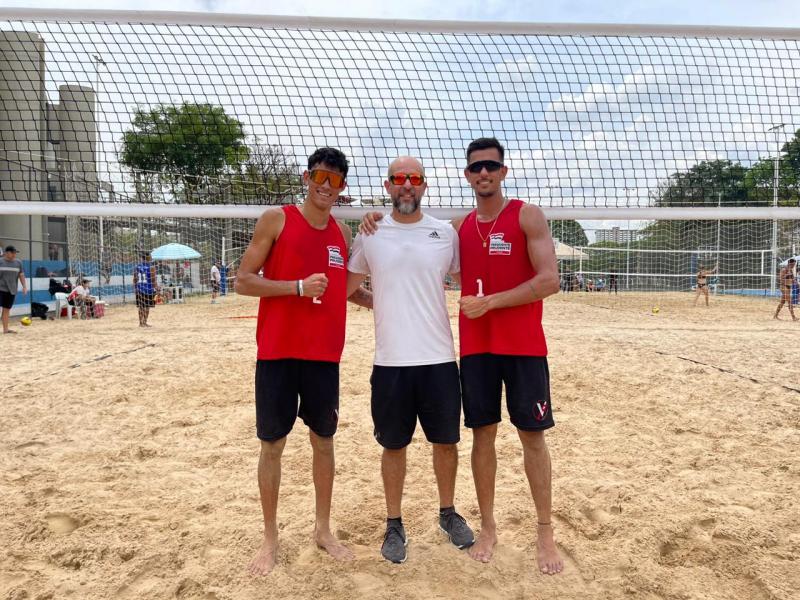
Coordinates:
(490, 165)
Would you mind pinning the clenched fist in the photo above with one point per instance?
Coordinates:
(315, 285)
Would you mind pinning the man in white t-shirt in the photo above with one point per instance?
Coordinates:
(415, 373)
(215, 280)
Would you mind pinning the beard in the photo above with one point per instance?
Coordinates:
(483, 192)
(405, 208)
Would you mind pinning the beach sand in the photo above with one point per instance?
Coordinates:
(128, 463)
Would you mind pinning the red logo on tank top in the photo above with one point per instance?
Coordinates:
(335, 257)
(497, 245)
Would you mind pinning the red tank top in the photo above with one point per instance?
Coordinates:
(293, 326)
(502, 265)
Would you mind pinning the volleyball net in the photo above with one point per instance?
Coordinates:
(656, 151)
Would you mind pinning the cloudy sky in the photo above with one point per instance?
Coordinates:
(764, 13)
(594, 121)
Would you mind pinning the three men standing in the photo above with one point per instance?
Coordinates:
(507, 266)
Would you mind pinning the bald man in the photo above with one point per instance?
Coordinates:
(415, 376)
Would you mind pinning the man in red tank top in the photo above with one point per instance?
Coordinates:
(302, 252)
(508, 266)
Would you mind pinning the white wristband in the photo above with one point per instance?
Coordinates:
(300, 286)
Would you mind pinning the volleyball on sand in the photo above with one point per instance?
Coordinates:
(25, 321)
(656, 310)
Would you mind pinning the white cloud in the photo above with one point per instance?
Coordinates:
(584, 123)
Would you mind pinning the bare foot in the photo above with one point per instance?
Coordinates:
(264, 560)
(547, 555)
(483, 548)
(332, 546)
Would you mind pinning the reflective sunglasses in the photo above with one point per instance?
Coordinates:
(490, 165)
(400, 178)
(320, 176)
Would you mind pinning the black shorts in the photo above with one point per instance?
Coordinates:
(401, 394)
(278, 385)
(145, 300)
(527, 381)
(214, 286)
(7, 300)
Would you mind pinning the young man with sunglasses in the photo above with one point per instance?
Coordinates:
(508, 268)
(415, 375)
(302, 251)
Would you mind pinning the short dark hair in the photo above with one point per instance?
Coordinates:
(485, 143)
(331, 157)
(144, 255)
(791, 260)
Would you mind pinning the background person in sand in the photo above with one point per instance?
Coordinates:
(300, 333)
(144, 282)
(785, 280)
(215, 277)
(11, 272)
(415, 375)
(702, 283)
(508, 266)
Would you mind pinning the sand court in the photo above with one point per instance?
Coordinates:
(128, 463)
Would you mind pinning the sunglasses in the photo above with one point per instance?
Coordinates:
(320, 176)
(490, 165)
(400, 178)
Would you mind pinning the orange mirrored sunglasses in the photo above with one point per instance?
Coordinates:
(400, 178)
(319, 176)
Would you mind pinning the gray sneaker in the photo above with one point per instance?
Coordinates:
(394, 544)
(456, 528)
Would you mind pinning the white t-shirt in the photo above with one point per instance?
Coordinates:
(407, 265)
(215, 276)
(80, 291)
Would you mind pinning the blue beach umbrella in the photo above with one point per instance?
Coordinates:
(174, 252)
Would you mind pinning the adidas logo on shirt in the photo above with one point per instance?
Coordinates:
(434, 235)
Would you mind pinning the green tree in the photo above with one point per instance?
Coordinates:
(705, 184)
(185, 145)
(760, 180)
(268, 176)
(610, 257)
(709, 184)
(569, 232)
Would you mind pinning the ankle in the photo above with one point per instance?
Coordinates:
(321, 529)
(489, 526)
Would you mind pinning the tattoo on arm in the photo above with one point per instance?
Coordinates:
(361, 297)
